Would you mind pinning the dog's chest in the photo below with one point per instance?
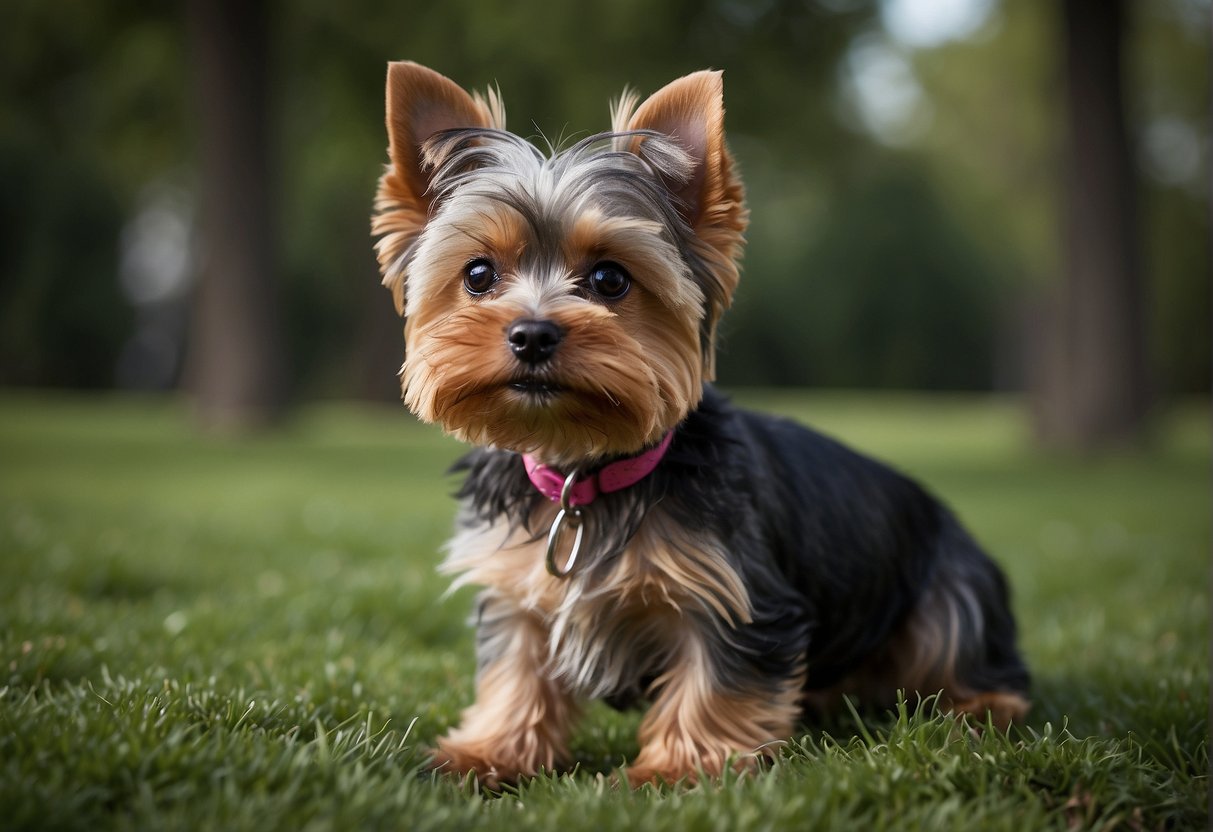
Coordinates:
(615, 627)
(613, 624)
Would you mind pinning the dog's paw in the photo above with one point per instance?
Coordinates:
(457, 761)
(637, 776)
(688, 772)
(489, 760)
(1001, 708)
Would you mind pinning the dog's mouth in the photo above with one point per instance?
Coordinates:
(536, 387)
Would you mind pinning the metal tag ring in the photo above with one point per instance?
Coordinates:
(573, 516)
(566, 491)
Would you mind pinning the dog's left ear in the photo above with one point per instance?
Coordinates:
(712, 200)
(690, 111)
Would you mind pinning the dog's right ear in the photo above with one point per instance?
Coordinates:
(420, 103)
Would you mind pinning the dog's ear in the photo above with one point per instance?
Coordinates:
(420, 103)
(691, 112)
(712, 199)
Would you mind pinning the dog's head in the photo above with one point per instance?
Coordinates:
(563, 305)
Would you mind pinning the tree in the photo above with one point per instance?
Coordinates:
(1091, 389)
(235, 360)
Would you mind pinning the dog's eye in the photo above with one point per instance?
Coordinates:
(609, 280)
(479, 276)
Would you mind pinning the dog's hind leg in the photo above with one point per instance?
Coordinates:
(960, 640)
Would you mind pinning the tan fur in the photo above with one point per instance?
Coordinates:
(693, 728)
(509, 559)
(667, 563)
(664, 568)
(614, 402)
(580, 637)
(640, 247)
(653, 619)
(926, 650)
(521, 718)
(922, 656)
(420, 102)
(1003, 709)
(691, 109)
(632, 369)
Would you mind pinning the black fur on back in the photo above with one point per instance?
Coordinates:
(836, 549)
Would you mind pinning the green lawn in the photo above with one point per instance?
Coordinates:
(209, 634)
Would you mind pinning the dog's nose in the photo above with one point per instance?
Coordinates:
(534, 342)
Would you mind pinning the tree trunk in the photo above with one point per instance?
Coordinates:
(235, 365)
(1092, 393)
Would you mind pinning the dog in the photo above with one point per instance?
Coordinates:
(635, 536)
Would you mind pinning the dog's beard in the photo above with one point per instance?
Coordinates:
(610, 390)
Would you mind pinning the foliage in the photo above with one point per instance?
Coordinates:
(856, 313)
(993, 148)
(62, 318)
(96, 112)
(250, 634)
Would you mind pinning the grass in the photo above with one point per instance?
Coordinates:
(249, 634)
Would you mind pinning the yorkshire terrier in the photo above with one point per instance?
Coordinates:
(636, 536)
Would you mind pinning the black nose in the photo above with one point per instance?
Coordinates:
(534, 342)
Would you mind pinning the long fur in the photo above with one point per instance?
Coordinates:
(793, 533)
(761, 569)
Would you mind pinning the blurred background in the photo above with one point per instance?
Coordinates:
(947, 195)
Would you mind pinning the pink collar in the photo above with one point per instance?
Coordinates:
(614, 477)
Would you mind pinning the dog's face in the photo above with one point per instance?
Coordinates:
(563, 305)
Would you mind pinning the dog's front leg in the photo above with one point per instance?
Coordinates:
(698, 723)
(520, 720)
